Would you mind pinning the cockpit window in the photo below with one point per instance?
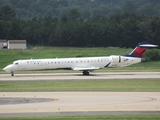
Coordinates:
(16, 63)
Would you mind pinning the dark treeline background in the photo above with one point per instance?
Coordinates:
(87, 8)
(81, 23)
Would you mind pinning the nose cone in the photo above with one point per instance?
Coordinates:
(4, 69)
(7, 69)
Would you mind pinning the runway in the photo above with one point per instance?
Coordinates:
(79, 76)
(71, 103)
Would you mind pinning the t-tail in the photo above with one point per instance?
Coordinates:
(140, 49)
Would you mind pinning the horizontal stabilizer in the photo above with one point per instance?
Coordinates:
(148, 45)
(86, 68)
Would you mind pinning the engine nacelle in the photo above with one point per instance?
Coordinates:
(118, 59)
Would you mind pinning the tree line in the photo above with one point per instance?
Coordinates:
(122, 29)
(87, 8)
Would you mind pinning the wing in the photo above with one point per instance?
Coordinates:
(86, 68)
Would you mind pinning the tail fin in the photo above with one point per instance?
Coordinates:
(140, 49)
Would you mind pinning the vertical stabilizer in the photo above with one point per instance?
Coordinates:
(140, 49)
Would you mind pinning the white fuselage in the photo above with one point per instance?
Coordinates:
(82, 63)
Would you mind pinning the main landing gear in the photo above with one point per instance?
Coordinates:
(85, 72)
(12, 74)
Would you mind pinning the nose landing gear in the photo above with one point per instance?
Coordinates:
(12, 74)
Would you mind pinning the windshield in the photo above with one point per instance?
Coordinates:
(16, 63)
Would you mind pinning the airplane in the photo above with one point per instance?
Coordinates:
(85, 64)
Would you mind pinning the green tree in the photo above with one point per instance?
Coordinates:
(74, 14)
(7, 13)
(129, 7)
(153, 55)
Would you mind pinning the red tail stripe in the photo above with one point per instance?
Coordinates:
(139, 52)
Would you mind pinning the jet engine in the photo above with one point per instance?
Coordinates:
(118, 59)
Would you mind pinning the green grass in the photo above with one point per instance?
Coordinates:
(80, 85)
(8, 56)
(89, 117)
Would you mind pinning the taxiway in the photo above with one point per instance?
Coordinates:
(41, 103)
(81, 101)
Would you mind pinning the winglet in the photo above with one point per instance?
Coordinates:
(140, 49)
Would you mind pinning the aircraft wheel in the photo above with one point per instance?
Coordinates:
(85, 72)
(12, 74)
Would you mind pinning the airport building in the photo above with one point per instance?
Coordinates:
(17, 44)
(3, 44)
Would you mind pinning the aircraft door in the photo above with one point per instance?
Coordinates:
(22, 65)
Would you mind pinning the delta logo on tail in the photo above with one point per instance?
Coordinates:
(140, 49)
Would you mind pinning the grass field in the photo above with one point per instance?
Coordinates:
(90, 117)
(81, 85)
(8, 56)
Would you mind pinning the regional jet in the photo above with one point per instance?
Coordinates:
(85, 64)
